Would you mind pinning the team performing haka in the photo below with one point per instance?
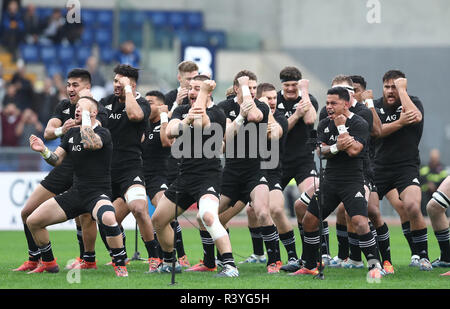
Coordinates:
(116, 153)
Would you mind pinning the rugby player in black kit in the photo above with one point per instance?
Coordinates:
(60, 178)
(397, 159)
(128, 114)
(243, 178)
(343, 136)
(298, 160)
(90, 149)
(200, 173)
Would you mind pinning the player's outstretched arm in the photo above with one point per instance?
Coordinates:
(53, 158)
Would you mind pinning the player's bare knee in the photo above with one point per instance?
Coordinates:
(434, 209)
(139, 209)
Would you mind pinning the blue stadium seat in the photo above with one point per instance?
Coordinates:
(183, 35)
(88, 36)
(104, 37)
(200, 37)
(194, 20)
(107, 55)
(53, 68)
(44, 12)
(217, 39)
(65, 53)
(138, 19)
(105, 18)
(83, 53)
(29, 53)
(125, 17)
(66, 67)
(177, 20)
(136, 37)
(48, 53)
(158, 18)
(89, 18)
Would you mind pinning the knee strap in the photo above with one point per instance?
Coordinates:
(216, 230)
(110, 231)
(441, 199)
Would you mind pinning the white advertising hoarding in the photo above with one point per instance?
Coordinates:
(16, 188)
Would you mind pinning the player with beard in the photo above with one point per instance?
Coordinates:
(358, 95)
(200, 173)
(90, 148)
(174, 98)
(397, 160)
(60, 178)
(300, 108)
(155, 153)
(128, 115)
(243, 178)
(267, 92)
(343, 136)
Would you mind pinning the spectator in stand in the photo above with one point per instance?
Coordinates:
(24, 88)
(32, 25)
(431, 176)
(2, 87)
(45, 101)
(12, 28)
(128, 54)
(53, 28)
(60, 86)
(98, 82)
(10, 117)
(28, 124)
(10, 94)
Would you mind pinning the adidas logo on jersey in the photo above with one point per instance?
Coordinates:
(66, 111)
(71, 140)
(415, 180)
(326, 130)
(359, 195)
(263, 179)
(280, 106)
(313, 172)
(164, 186)
(104, 195)
(137, 179)
(278, 186)
(232, 114)
(211, 189)
(382, 110)
(109, 106)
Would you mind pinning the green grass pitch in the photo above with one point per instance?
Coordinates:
(252, 276)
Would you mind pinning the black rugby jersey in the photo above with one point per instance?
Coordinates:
(92, 168)
(297, 148)
(126, 135)
(245, 152)
(401, 147)
(342, 167)
(154, 155)
(204, 162)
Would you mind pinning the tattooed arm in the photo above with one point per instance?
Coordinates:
(53, 158)
(90, 140)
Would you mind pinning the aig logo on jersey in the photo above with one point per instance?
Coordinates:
(115, 116)
(74, 147)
